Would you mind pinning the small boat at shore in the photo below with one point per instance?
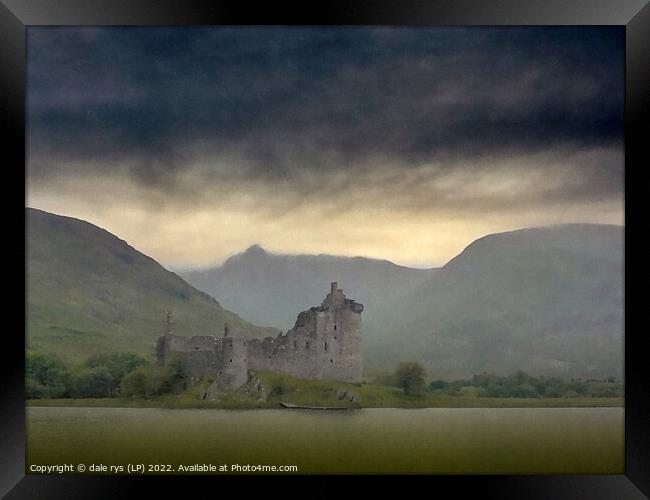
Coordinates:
(303, 407)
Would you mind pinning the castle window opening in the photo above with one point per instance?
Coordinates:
(307, 345)
(326, 346)
(231, 360)
(331, 361)
(334, 327)
(295, 344)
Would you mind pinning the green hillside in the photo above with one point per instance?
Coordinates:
(90, 292)
(548, 301)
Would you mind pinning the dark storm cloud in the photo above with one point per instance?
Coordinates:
(276, 102)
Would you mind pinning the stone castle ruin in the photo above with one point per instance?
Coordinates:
(324, 343)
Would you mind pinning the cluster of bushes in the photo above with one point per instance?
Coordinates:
(46, 377)
(522, 385)
(278, 389)
(100, 376)
(147, 381)
(410, 377)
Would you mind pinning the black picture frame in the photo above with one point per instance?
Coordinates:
(16, 15)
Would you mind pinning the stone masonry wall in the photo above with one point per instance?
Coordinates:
(325, 343)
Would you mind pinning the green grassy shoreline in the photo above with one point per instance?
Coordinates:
(281, 387)
(440, 402)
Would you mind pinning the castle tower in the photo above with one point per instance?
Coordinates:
(335, 298)
(169, 326)
(166, 340)
(338, 331)
(234, 373)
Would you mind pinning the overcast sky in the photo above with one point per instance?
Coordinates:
(399, 143)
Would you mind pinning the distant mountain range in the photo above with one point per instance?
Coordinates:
(549, 301)
(271, 289)
(90, 292)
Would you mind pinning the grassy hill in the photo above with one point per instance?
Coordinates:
(545, 300)
(90, 292)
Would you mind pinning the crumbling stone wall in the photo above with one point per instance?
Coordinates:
(324, 343)
(200, 355)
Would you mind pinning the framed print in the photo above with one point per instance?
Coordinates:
(365, 239)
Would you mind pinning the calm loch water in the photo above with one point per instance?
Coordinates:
(429, 441)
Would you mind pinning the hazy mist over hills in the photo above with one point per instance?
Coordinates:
(271, 289)
(90, 292)
(548, 300)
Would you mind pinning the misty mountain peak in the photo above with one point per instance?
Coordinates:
(255, 250)
(254, 255)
